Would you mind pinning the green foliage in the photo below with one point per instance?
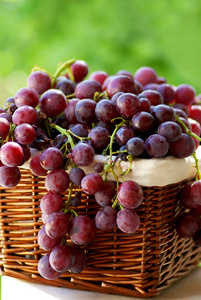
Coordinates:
(109, 35)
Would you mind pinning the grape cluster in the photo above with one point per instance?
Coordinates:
(70, 119)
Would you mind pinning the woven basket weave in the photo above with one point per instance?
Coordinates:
(138, 265)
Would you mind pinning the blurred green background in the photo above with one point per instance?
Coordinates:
(109, 35)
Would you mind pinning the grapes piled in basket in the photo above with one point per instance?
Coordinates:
(72, 116)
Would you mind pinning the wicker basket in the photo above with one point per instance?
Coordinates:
(139, 265)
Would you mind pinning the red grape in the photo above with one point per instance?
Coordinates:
(39, 81)
(45, 269)
(128, 220)
(130, 194)
(26, 96)
(57, 181)
(82, 230)
(57, 225)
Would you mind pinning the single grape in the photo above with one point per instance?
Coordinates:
(76, 175)
(130, 194)
(87, 88)
(51, 158)
(65, 85)
(156, 146)
(128, 105)
(59, 141)
(183, 107)
(128, 220)
(145, 104)
(76, 200)
(135, 146)
(195, 112)
(154, 97)
(121, 83)
(163, 113)
(24, 114)
(70, 110)
(11, 154)
(80, 130)
(91, 183)
(106, 193)
(143, 122)
(39, 81)
(183, 147)
(51, 202)
(57, 181)
(6, 116)
(188, 225)
(52, 102)
(80, 70)
(99, 137)
(167, 91)
(36, 167)
(4, 127)
(123, 134)
(24, 134)
(61, 258)
(184, 94)
(82, 154)
(106, 82)
(82, 230)
(145, 75)
(9, 177)
(45, 269)
(57, 225)
(85, 111)
(26, 96)
(151, 86)
(9, 101)
(99, 76)
(45, 242)
(170, 130)
(98, 167)
(105, 219)
(79, 260)
(106, 111)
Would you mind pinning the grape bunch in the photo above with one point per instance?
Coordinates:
(72, 116)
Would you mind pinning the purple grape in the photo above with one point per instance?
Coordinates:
(9, 177)
(24, 134)
(79, 260)
(167, 91)
(99, 76)
(106, 193)
(4, 127)
(45, 242)
(87, 88)
(76, 200)
(45, 269)
(98, 167)
(170, 130)
(57, 181)
(121, 83)
(163, 113)
(76, 175)
(85, 111)
(36, 167)
(130, 194)
(143, 122)
(128, 220)
(51, 158)
(83, 154)
(123, 134)
(26, 96)
(188, 225)
(70, 110)
(183, 147)
(156, 146)
(39, 81)
(145, 75)
(51, 202)
(25, 114)
(65, 85)
(184, 94)
(11, 154)
(91, 183)
(80, 70)
(154, 97)
(82, 230)
(106, 111)
(99, 137)
(52, 102)
(128, 105)
(61, 258)
(135, 146)
(105, 219)
(57, 225)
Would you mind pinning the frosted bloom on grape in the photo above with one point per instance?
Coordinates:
(130, 194)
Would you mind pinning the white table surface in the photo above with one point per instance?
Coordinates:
(186, 288)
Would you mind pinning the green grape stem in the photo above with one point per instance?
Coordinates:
(61, 68)
(63, 132)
